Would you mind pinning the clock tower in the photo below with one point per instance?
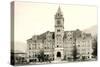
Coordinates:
(59, 34)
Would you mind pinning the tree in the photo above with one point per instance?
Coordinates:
(95, 48)
(46, 58)
(74, 53)
(41, 56)
(83, 58)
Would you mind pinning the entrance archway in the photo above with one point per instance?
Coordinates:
(58, 54)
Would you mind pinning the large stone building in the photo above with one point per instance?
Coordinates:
(60, 45)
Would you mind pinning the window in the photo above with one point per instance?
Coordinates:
(58, 30)
(88, 56)
(45, 47)
(70, 37)
(57, 46)
(58, 35)
(35, 55)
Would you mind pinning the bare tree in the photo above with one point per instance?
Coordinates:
(95, 47)
(74, 53)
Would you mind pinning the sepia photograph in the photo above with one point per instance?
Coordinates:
(49, 33)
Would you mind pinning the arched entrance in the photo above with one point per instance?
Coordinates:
(58, 54)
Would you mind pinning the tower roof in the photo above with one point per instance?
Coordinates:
(59, 10)
(59, 13)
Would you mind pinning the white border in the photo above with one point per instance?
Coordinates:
(5, 32)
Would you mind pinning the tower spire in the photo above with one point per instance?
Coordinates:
(59, 13)
(59, 10)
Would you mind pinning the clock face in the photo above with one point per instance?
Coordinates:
(58, 22)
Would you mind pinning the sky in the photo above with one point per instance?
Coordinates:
(36, 18)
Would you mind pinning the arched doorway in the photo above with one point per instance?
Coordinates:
(58, 54)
